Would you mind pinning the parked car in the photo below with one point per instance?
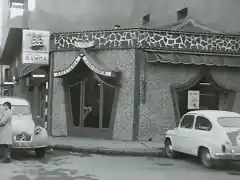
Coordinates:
(26, 135)
(209, 134)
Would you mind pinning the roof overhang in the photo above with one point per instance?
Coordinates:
(12, 46)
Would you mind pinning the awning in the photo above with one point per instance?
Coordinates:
(12, 46)
(172, 58)
(24, 69)
(91, 61)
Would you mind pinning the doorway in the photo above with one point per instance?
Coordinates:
(91, 104)
(208, 96)
(211, 94)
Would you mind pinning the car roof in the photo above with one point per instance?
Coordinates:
(14, 100)
(215, 113)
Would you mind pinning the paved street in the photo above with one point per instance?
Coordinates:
(72, 166)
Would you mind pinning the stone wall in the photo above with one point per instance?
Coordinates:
(62, 60)
(123, 60)
(157, 112)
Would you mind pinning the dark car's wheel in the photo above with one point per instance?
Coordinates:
(40, 152)
(206, 158)
(169, 152)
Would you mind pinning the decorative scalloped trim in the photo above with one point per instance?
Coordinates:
(91, 66)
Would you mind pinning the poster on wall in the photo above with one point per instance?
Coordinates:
(193, 99)
(35, 47)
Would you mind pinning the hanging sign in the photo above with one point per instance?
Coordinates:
(35, 47)
(193, 99)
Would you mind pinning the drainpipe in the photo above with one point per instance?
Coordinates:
(2, 73)
(50, 94)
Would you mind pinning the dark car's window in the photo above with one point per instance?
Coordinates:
(19, 110)
(187, 122)
(203, 124)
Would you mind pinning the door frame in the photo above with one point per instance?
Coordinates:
(81, 131)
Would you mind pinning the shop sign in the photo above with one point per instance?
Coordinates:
(35, 47)
(193, 99)
(96, 69)
(83, 44)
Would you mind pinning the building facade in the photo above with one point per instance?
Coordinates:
(130, 83)
(27, 81)
(152, 69)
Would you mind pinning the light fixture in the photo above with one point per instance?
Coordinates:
(8, 83)
(39, 75)
(205, 84)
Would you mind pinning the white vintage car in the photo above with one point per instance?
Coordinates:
(209, 134)
(26, 135)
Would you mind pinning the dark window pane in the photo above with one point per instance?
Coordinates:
(203, 124)
(187, 121)
(92, 102)
(75, 92)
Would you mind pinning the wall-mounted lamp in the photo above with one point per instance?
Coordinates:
(205, 84)
(38, 75)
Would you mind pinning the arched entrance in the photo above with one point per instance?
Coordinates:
(209, 95)
(90, 97)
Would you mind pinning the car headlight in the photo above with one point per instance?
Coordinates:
(37, 130)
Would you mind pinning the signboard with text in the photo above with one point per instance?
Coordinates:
(193, 99)
(35, 47)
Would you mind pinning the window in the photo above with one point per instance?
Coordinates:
(187, 122)
(231, 122)
(181, 14)
(146, 19)
(203, 124)
(7, 74)
(19, 109)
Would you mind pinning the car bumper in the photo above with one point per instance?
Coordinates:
(228, 156)
(37, 141)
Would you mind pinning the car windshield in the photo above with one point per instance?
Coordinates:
(231, 122)
(19, 110)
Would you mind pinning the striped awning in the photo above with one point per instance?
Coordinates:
(208, 60)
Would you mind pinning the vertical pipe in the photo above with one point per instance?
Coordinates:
(136, 105)
(2, 84)
(101, 107)
(82, 103)
(50, 93)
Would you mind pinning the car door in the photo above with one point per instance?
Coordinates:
(184, 132)
(201, 133)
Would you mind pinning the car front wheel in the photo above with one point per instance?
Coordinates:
(206, 158)
(169, 152)
(40, 152)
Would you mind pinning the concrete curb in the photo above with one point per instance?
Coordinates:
(109, 152)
